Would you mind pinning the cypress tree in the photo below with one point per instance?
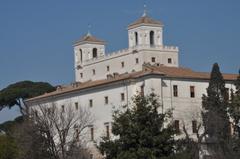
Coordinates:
(215, 117)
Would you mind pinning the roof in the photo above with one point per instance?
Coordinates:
(145, 20)
(166, 72)
(89, 39)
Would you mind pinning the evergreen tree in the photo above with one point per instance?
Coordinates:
(215, 117)
(142, 133)
(234, 108)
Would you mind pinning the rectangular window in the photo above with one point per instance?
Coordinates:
(176, 126)
(122, 63)
(106, 99)
(137, 61)
(63, 108)
(175, 90)
(92, 133)
(227, 94)
(107, 130)
(81, 75)
(93, 71)
(77, 133)
(142, 90)
(122, 97)
(169, 60)
(192, 91)
(153, 59)
(76, 105)
(108, 68)
(194, 126)
(91, 103)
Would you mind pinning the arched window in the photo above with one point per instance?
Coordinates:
(151, 37)
(80, 55)
(136, 38)
(94, 53)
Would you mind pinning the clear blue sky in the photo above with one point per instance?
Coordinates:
(36, 37)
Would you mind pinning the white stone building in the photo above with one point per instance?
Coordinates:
(105, 82)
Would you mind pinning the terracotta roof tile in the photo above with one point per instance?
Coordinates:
(173, 72)
(89, 39)
(145, 20)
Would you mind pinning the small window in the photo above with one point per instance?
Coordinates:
(77, 132)
(107, 130)
(176, 126)
(76, 105)
(151, 38)
(106, 99)
(122, 64)
(93, 71)
(91, 103)
(136, 38)
(142, 90)
(227, 94)
(153, 59)
(169, 60)
(94, 53)
(194, 126)
(49, 110)
(192, 91)
(92, 132)
(122, 97)
(108, 68)
(80, 55)
(81, 75)
(175, 90)
(36, 114)
(63, 108)
(137, 61)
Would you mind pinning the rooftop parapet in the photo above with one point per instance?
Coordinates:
(131, 50)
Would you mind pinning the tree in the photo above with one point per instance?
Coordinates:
(141, 132)
(7, 126)
(16, 93)
(215, 115)
(8, 148)
(61, 130)
(234, 108)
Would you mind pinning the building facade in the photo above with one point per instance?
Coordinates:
(107, 82)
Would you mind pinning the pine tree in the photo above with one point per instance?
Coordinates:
(215, 117)
(142, 133)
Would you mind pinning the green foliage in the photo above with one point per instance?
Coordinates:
(142, 132)
(215, 116)
(234, 108)
(14, 93)
(9, 125)
(215, 104)
(8, 148)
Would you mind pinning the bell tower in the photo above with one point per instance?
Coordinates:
(145, 32)
(86, 49)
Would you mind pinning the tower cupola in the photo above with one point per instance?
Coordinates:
(145, 32)
(87, 48)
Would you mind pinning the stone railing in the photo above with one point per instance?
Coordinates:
(130, 50)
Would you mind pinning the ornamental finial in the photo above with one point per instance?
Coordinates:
(145, 10)
(89, 28)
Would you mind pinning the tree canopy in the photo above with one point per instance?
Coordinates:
(215, 116)
(15, 93)
(142, 132)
